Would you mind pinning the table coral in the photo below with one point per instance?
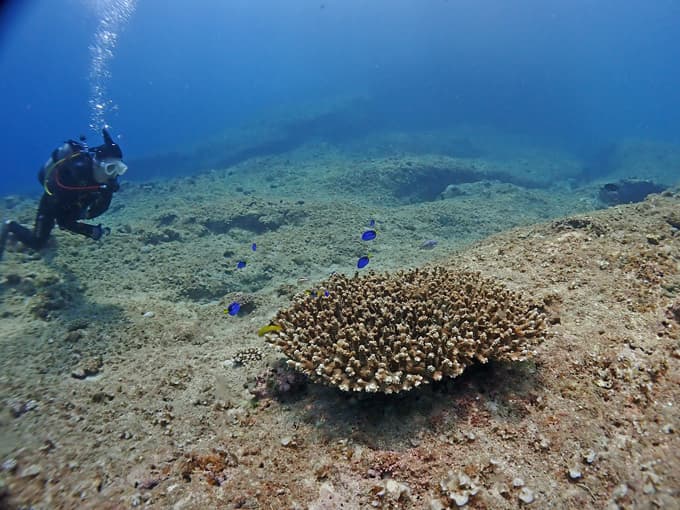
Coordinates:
(392, 333)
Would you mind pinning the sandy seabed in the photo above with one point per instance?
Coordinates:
(118, 387)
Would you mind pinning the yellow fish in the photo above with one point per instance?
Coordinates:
(268, 329)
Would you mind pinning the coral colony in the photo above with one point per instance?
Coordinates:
(392, 333)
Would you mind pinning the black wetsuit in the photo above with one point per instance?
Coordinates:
(71, 194)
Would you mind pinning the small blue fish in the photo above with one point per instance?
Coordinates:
(369, 235)
(233, 308)
(362, 262)
(371, 223)
(241, 264)
(254, 246)
(428, 245)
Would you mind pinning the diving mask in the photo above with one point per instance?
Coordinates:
(112, 167)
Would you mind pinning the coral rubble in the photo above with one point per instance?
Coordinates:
(391, 333)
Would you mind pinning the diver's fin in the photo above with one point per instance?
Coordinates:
(4, 233)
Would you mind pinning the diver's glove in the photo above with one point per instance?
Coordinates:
(98, 232)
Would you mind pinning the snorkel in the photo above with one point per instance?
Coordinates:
(110, 149)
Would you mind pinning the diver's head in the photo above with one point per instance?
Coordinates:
(108, 160)
(109, 149)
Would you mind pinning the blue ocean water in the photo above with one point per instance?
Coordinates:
(173, 73)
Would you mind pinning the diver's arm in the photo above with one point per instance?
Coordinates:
(92, 231)
(100, 205)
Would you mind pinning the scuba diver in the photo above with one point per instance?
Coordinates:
(79, 183)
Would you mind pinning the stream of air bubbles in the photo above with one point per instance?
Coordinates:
(111, 16)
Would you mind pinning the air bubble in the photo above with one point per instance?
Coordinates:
(112, 15)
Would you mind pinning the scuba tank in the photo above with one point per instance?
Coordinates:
(69, 149)
(65, 151)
